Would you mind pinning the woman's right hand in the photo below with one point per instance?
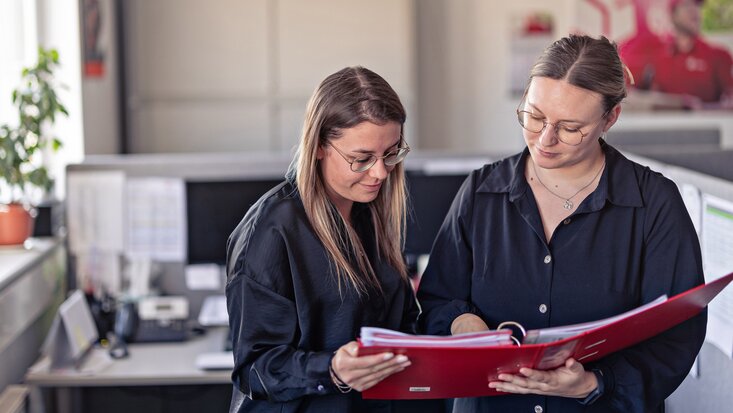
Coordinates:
(468, 323)
(361, 373)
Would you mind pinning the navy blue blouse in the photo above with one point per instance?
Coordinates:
(627, 243)
(287, 316)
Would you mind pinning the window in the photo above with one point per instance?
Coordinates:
(18, 43)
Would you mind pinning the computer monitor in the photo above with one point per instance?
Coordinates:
(213, 209)
(430, 197)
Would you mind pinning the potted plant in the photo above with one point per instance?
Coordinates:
(23, 172)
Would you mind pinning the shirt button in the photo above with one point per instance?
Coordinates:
(567, 221)
(548, 258)
(543, 308)
(320, 387)
(538, 409)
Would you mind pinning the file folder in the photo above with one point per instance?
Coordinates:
(465, 371)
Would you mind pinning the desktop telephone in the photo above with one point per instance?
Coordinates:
(153, 319)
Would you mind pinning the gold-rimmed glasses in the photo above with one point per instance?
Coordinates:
(566, 134)
(362, 162)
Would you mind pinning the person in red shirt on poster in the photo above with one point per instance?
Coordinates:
(639, 51)
(694, 70)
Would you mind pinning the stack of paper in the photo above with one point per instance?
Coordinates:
(548, 335)
(372, 336)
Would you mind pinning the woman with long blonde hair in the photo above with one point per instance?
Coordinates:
(319, 256)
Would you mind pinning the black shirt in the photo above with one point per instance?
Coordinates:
(287, 315)
(628, 242)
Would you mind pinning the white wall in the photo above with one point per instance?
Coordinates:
(186, 96)
(236, 75)
(231, 75)
(476, 109)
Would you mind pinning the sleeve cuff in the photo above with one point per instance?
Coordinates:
(321, 363)
(599, 390)
(443, 321)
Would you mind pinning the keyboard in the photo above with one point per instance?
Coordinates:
(223, 360)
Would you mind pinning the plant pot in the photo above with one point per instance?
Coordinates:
(16, 224)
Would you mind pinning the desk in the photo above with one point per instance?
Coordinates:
(156, 377)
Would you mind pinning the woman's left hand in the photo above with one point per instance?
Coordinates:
(570, 380)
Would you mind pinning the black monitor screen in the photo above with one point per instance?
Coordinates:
(213, 210)
(430, 198)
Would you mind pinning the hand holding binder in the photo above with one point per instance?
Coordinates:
(462, 365)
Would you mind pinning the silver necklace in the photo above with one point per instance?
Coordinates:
(568, 203)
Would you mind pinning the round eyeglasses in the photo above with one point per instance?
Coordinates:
(565, 134)
(362, 163)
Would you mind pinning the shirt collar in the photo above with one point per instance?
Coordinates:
(618, 183)
(673, 50)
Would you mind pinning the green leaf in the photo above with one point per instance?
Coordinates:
(37, 106)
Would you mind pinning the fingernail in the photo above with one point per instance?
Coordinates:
(388, 356)
(401, 358)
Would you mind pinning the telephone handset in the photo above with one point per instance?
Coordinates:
(126, 321)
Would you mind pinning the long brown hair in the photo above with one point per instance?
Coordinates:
(586, 62)
(343, 100)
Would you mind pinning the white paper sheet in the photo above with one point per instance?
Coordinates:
(717, 252)
(214, 311)
(95, 211)
(204, 276)
(156, 219)
(375, 336)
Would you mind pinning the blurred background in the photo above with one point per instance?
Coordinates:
(166, 76)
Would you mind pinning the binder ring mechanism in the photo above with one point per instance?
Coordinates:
(517, 326)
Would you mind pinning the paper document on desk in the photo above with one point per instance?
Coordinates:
(223, 360)
(214, 311)
(204, 276)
